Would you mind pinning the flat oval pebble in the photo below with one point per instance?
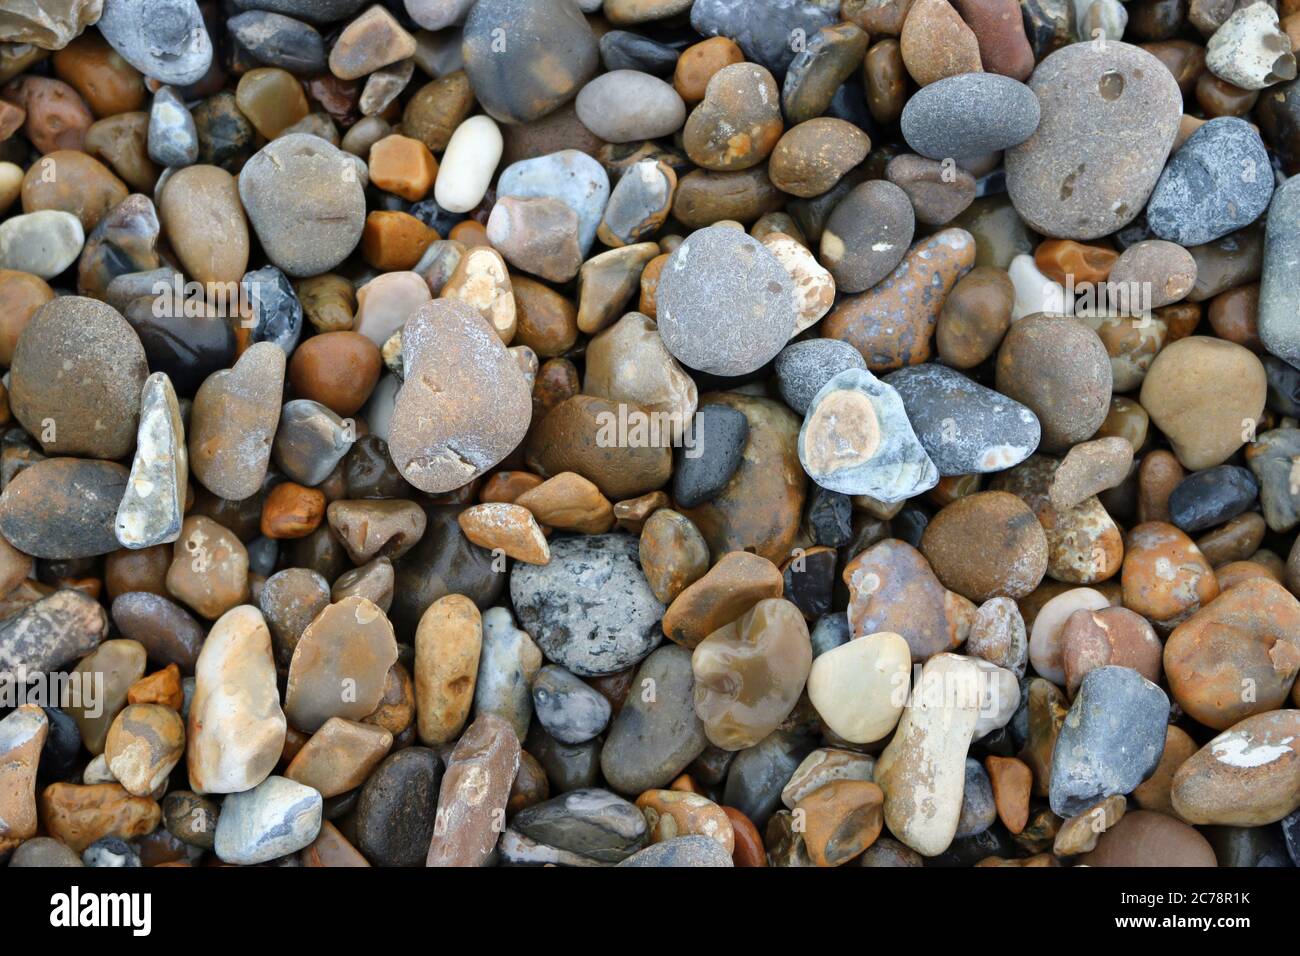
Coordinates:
(969, 115)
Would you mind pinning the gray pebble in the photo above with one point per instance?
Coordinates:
(110, 852)
(978, 811)
(275, 818)
(163, 39)
(964, 427)
(570, 176)
(590, 609)
(1219, 181)
(804, 367)
(310, 441)
(759, 773)
(570, 709)
(592, 823)
(726, 305)
(718, 435)
(173, 137)
(625, 106)
(1279, 284)
(1111, 740)
(763, 28)
(273, 39)
(969, 115)
(684, 851)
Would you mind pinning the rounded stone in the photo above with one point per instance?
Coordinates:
(969, 115)
(987, 545)
(625, 106)
(1109, 117)
(867, 235)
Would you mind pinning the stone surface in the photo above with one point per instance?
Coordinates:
(274, 819)
(858, 688)
(1246, 776)
(473, 795)
(590, 609)
(340, 664)
(233, 422)
(152, 506)
(165, 40)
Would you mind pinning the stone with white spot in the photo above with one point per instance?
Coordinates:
(964, 427)
(1035, 292)
(1247, 776)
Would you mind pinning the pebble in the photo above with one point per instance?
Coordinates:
(163, 39)
(78, 344)
(857, 687)
(1249, 50)
(1143, 837)
(508, 663)
(639, 203)
(625, 50)
(867, 235)
(473, 794)
(1096, 104)
(892, 324)
(340, 756)
(144, 743)
(216, 252)
(655, 735)
(734, 585)
(593, 825)
(468, 163)
(804, 367)
(506, 529)
(1111, 740)
(718, 436)
(63, 507)
(305, 202)
(236, 729)
(590, 609)
(738, 122)
(274, 819)
(673, 554)
(1246, 776)
(936, 43)
(626, 106)
(173, 137)
(464, 405)
(892, 588)
(986, 545)
(1185, 396)
(762, 31)
(1205, 499)
(856, 440)
(1278, 293)
(749, 673)
(167, 631)
(693, 850)
(761, 298)
(938, 193)
(1059, 369)
(77, 815)
(537, 235)
(1210, 187)
(233, 421)
(396, 810)
(969, 115)
(532, 81)
(350, 645)
(964, 427)
(1090, 468)
(22, 736)
(273, 39)
(922, 770)
(1112, 635)
(570, 710)
(1242, 635)
(152, 506)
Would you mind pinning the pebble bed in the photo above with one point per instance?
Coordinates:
(649, 433)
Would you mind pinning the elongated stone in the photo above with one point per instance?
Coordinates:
(474, 792)
(233, 423)
(63, 508)
(236, 728)
(154, 502)
(507, 664)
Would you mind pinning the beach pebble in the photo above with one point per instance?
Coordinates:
(760, 301)
(762, 30)
(275, 818)
(625, 106)
(590, 609)
(163, 39)
(1096, 104)
(1279, 294)
(1212, 184)
(804, 367)
(1246, 776)
(570, 176)
(858, 688)
(1249, 50)
(43, 243)
(969, 115)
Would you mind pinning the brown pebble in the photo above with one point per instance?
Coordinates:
(1012, 782)
(509, 528)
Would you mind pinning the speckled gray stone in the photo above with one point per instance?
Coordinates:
(173, 137)
(726, 305)
(1272, 460)
(153, 503)
(570, 709)
(804, 367)
(317, 11)
(964, 427)
(591, 608)
(657, 733)
(1218, 182)
(164, 39)
(275, 818)
(273, 39)
(763, 28)
(1111, 739)
(687, 851)
(969, 115)
(896, 468)
(509, 660)
(1279, 284)
(590, 822)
